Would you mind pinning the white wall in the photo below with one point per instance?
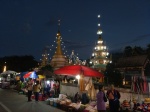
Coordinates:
(69, 90)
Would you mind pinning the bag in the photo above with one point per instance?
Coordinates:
(105, 98)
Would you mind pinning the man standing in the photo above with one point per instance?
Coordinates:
(36, 90)
(30, 88)
(113, 97)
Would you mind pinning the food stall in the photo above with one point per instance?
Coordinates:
(80, 81)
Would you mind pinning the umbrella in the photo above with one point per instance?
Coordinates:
(27, 75)
(33, 75)
(45, 73)
(41, 76)
(21, 75)
(78, 69)
(30, 75)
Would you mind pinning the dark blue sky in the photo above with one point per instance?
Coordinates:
(27, 26)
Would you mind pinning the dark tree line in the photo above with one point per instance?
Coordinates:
(18, 63)
(112, 76)
(137, 50)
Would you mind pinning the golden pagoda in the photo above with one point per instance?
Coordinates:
(58, 60)
(45, 59)
(100, 57)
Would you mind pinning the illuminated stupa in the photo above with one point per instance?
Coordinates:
(74, 59)
(45, 59)
(58, 60)
(100, 55)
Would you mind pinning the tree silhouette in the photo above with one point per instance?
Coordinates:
(47, 68)
(19, 63)
(128, 51)
(113, 76)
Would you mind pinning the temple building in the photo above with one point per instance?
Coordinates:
(74, 59)
(132, 66)
(45, 58)
(100, 56)
(58, 60)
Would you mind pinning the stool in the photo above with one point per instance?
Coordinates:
(70, 109)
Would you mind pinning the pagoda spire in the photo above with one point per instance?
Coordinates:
(58, 41)
(45, 58)
(99, 31)
(58, 60)
(100, 55)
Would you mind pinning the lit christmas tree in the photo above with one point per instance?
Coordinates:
(100, 56)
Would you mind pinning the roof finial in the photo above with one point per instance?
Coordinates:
(58, 24)
(99, 32)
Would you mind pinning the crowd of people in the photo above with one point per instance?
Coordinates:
(32, 86)
(112, 95)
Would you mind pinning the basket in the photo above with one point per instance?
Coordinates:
(51, 102)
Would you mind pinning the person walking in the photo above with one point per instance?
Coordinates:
(101, 99)
(113, 97)
(29, 88)
(36, 90)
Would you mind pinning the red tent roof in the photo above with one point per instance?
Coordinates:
(78, 69)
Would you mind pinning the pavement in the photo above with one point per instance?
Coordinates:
(2, 108)
(11, 101)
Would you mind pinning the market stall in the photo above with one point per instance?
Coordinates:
(81, 83)
(7, 77)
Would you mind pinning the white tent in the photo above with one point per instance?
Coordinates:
(8, 72)
(8, 75)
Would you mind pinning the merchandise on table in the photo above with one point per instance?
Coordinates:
(125, 105)
(144, 107)
(65, 104)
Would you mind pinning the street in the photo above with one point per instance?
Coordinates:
(11, 101)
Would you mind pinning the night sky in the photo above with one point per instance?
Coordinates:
(27, 26)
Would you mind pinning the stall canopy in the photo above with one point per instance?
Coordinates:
(41, 76)
(21, 75)
(78, 69)
(30, 75)
(8, 72)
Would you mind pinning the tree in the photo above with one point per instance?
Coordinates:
(147, 69)
(148, 50)
(47, 68)
(137, 50)
(19, 63)
(128, 51)
(113, 76)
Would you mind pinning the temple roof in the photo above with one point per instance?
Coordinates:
(133, 61)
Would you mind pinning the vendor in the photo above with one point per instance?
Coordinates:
(77, 98)
(100, 99)
(113, 97)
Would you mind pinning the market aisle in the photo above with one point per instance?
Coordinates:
(2, 108)
(18, 103)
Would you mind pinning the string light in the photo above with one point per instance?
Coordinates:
(53, 46)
